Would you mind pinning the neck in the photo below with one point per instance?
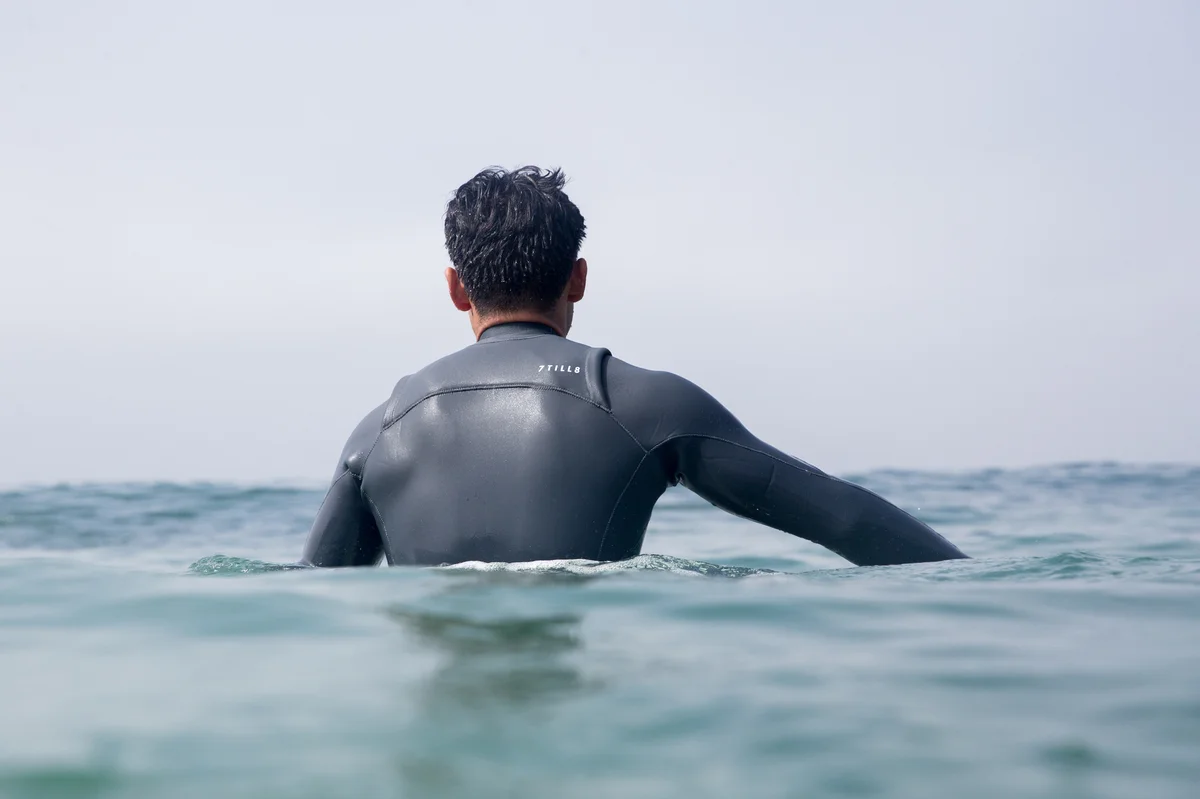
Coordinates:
(556, 319)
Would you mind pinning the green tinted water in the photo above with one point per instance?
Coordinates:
(1064, 661)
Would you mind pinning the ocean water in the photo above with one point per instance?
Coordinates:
(151, 645)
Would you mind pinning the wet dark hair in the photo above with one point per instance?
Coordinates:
(513, 237)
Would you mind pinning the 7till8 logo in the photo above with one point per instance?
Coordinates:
(556, 367)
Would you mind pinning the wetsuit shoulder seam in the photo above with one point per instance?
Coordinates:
(362, 487)
(329, 491)
(481, 387)
(739, 445)
(362, 490)
(535, 386)
(367, 457)
(810, 471)
(628, 432)
(669, 439)
(621, 496)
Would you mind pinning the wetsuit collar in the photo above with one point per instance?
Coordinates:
(511, 330)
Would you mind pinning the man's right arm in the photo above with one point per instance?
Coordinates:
(344, 532)
(711, 453)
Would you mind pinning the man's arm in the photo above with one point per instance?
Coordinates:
(344, 532)
(715, 456)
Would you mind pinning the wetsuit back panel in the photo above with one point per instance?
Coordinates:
(529, 446)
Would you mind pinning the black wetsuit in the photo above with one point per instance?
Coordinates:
(529, 446)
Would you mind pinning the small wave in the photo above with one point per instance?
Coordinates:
(224, 564)
(653, 563)
(1071, 565)
(228, 565)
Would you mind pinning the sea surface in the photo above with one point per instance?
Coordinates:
(152, 645)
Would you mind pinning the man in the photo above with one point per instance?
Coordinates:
(528, 446)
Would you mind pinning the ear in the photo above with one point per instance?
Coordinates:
(577, 285)
(458, 294)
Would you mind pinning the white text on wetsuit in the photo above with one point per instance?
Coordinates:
(558, 367)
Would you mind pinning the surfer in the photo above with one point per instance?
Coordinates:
(529, 446)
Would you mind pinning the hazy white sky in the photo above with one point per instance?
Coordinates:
(884, 234)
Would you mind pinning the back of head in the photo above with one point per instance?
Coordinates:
(513, 237)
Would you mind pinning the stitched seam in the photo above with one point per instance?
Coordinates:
(362, 491)
(648, 452)
(617, 504)
(329, 491)
(367, 457)
(830, 478)
(640, 445)
(383, 422)
(514, 338)
(775, 458)
(461, 389)
(387, 547)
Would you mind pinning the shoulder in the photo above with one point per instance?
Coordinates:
(361, 441)
(660, 405)
(667, 386)
(370, 425)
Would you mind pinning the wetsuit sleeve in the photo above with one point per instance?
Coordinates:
(345, 532)
(712, 454)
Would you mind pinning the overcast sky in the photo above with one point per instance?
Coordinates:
(933, 235)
